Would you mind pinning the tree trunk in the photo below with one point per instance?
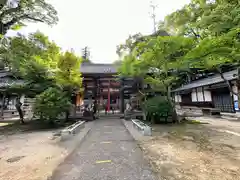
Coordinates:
(174, 112)
(3, 104)
(228, 85)
(18, 108)
(67, 116)
(20, 112)
(41, 116)
(152, 119)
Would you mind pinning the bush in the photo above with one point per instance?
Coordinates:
(50, 104)
(157, 108)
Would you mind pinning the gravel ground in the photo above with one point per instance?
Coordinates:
(195, 151)
(108, 152)
(35, 155)
(29, 156)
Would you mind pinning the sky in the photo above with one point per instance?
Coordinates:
(102, 24)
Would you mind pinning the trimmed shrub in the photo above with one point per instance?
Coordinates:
(51, 104)
(157, 109)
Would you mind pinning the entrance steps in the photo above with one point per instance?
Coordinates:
(110, 115)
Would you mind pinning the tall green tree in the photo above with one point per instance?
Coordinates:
(204, 18)
(86, 54)
(159, 63)
(214, 54)
(68, 72)
(68, 75)
(23, 54)
(215, 26)
(14, 13)
(128, 45)
(34, 60)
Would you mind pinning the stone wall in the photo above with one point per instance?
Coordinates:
(189, 110)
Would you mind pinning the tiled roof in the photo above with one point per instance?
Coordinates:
(89, 68)
(7, 82)
(4, 73)
(231, 75)
(7, 79)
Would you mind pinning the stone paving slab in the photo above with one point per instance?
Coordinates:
(108, 152)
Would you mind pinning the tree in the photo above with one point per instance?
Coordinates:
(51, 103)
(185, 20)
(35, 47)
(14, 13)
(68, 75)
(159, 63)
(40, 63)
(133, 40)
(216, 53)
(129, 45)
(86, 54)
(217, 34)
(206, 40)
(32, 59)
(204, 18)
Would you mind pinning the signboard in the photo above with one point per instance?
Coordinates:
(236, 105)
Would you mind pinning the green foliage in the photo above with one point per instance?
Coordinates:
(160, 59)
(86, 55)
(158, 105)
(15, 13)
(68, 73)
(39, 62)
(214, 52)
(206, 39)
(33, 58)
(158, 109)
(35, 48)
(51, 104)
(129, 44)
(204, 18)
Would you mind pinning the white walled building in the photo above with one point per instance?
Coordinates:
(211, 92)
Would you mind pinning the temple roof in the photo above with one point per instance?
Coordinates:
(91, 68)
(231, 75)
(5, 73)
(7, 79)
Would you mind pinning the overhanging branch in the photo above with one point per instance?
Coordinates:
(7, 25)
(32, 18)
(10, 11)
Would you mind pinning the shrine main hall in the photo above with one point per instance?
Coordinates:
(102, 83)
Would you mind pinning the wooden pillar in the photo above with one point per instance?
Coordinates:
(109, 96)
(78, 99)
(122, 95)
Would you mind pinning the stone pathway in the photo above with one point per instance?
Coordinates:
(108, 152)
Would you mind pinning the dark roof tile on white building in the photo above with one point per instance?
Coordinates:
(231, 75)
